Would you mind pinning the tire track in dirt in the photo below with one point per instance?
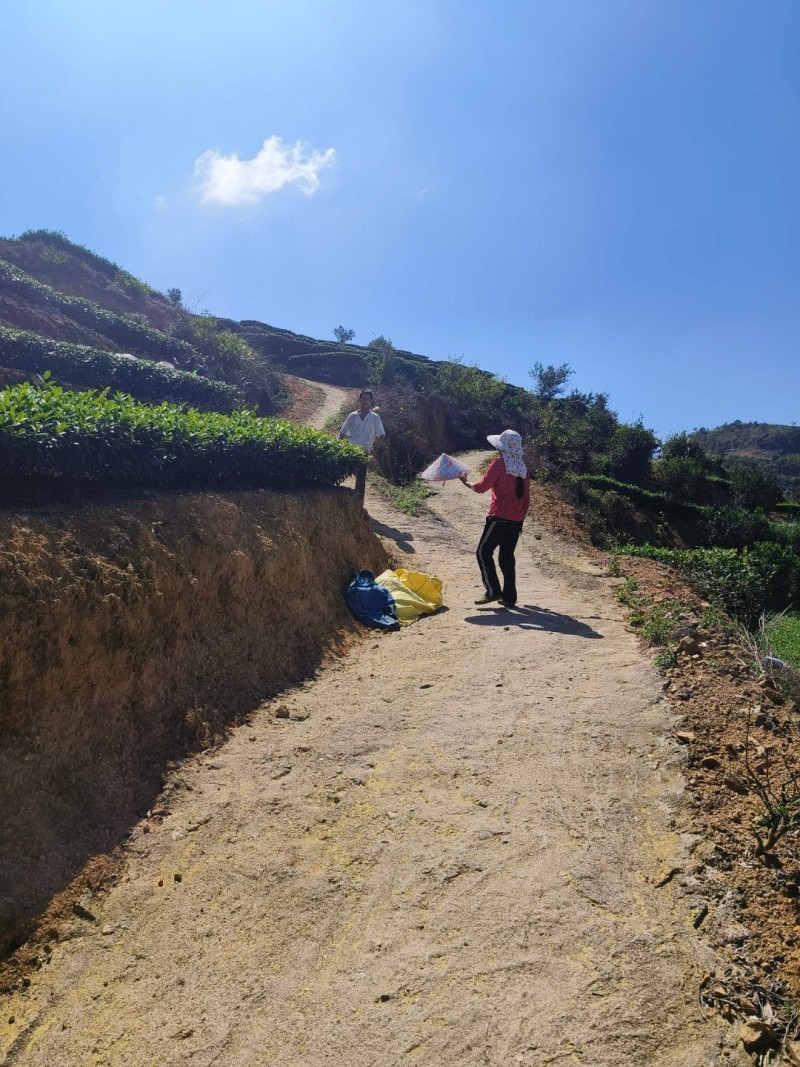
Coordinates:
(441, 850)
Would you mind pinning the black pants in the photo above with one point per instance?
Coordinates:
(361, 481)
(505, 534)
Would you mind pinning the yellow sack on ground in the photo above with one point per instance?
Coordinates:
(414, 594)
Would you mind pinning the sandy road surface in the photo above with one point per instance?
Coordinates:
(444, 857)
(335, 396)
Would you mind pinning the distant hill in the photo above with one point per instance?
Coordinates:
(765, 443)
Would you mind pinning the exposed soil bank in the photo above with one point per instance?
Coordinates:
(130, 632)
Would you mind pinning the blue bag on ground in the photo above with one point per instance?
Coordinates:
(371, 603)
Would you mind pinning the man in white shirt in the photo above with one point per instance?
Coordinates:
(363, 427)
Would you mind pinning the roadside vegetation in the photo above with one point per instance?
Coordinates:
(51, 437)
(410, 499)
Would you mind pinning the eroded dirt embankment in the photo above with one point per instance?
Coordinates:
(132, 631)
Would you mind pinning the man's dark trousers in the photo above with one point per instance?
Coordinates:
(505, 534)
(361, 480)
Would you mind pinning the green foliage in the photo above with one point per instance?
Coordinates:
(786, 533)
(116, 443)
(661, 622)
(119, 329)
(410, 498)
(754, 487)
(733, 527)
(549, 381)
(338, 368)
(468, 388)
(682, 478)
(571, 433)
(630, 452)
(613, 509)
(79, 365)
(667, 658)
(343, 335)
(683, 446)
(742, 582)
(384, 362)
(627, 593)
(175, 296)
(783, 634)
(131, 285)
(656, 623)
(684, 471)
(228, 357)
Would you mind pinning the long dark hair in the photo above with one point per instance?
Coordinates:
(520, 487)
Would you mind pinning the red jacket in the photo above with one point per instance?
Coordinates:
(505, 502)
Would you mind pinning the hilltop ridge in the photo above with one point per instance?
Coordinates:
(765, 443)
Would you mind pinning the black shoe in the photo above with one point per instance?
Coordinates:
(508, 603)
(487, 599)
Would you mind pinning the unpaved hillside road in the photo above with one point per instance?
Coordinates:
(444, 857)
(335, 396)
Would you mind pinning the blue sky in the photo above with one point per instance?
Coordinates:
(608, 183)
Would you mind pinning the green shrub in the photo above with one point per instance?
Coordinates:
(733, 527)
(682, 478)
(573, 434)
(644, 498)
(783, 634)
(754, 486)
(742, 582)
(121, 330)
(79, 365)
(336, 368)
(409, 499)
(50, 435)
(467, 386)
(630, 452)
(786, 533)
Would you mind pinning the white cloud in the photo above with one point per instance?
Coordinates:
(233, 181)
(160, 203)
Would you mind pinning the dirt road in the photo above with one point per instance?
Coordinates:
(446, 855)
(335, 396)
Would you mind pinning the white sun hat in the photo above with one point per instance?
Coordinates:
(509, 443)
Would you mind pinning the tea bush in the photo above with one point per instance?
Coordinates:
(91, 438)
(120, 330)
(79, 365)
(742, 582)
(754, 486)
(733, 527)
(335, 367)
(787, 533)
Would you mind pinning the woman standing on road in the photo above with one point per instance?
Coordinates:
(508, 479)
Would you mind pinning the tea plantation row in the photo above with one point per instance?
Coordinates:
(80, 365)
(51, 436)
